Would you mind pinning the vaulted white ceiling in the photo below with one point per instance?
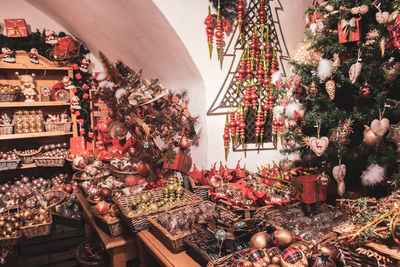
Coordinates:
(134, 31)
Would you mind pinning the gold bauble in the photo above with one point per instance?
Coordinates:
(260, 240)
(370, 139)
(276, 259)
(283, 238)
(331, 251)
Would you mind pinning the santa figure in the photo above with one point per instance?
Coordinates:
(7, 55)
(33, 56)
(75, 103)
(50, 39)
(84, 65)
(68, 84)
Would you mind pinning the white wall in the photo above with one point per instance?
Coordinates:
(187, 18)
(92, 23)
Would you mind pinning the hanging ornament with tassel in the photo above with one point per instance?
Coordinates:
(330, 88)
(210, 27)
(240, 9)
(226, 137)
(355, 69)
(219, 34)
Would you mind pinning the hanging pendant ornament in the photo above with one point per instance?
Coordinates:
(240, 8)
(339, 172)
(226, 137)
(382, 45)
(355, 69)
(242, 126)
(330, 88)
(210, 26)
(232, 126)
(184, 143)
(380, 127)
(241, 71)
(318, 144)
(381, 17)
(365, 90)
(311, 91)
(259, 127)
(275, 125)
(219, 34)
(261, 16)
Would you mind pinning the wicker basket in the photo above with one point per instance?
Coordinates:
(9, 164)
(119, 173)
(58, 126)
(6, 129)
(176, 243)
(8, 97)
(27, 158)
(203, 257)
(224, 261)
(77, 177)
(49, 162)
(82, 262)
(10, 241)
(61, 195)
(200, 190)
(139, 222)
(112, 229)
(39, 229)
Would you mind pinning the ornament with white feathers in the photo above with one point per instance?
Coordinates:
(324, 70)
(276, 77)
(373, 175)
(103, 82)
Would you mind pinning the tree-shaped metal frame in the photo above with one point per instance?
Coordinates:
(227, 95)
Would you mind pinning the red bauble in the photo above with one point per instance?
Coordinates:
(105, 193)
(130, 180)
(68, 188)
(143, 169)
(184, 143)
(102, 207)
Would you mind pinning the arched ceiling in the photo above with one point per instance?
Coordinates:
(134, 31)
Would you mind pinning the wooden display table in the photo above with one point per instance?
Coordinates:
(121, 248)
(152, 253)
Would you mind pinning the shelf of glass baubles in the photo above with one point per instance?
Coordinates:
(52, 73)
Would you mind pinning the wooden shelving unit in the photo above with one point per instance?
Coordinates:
(32, 104)
(47, 74)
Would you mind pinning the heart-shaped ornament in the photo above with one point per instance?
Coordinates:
(382, 17)
(380, 127)
(341, 188)
(339, 172)
(319, 145)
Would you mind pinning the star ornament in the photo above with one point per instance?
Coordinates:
(323, 260)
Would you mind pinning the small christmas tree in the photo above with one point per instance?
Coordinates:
(348, 67)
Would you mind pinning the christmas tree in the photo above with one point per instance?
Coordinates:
(346, 72)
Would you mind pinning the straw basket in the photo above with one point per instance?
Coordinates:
(27, 158)
(58, 126)
(112, 229)
(38, 229)
(6, 129)
(49, 161)
(200, 190)
(8, 97)
(9, 164)
(139, 222)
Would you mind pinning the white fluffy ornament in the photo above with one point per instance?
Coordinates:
(373, 175)
(294, 107)
(278, 111)
(276, 77)
(101, 76)
(325, 68)
(119, 93)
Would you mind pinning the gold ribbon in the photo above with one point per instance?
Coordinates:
(348, 26)
(16, 28)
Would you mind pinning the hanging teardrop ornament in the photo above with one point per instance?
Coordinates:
(330, 88)
(355, 69)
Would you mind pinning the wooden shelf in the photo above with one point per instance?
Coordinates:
(23, 62)
(32, 135)
(32, 104)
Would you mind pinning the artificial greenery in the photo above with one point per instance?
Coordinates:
(348, 103)
(227, 8)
